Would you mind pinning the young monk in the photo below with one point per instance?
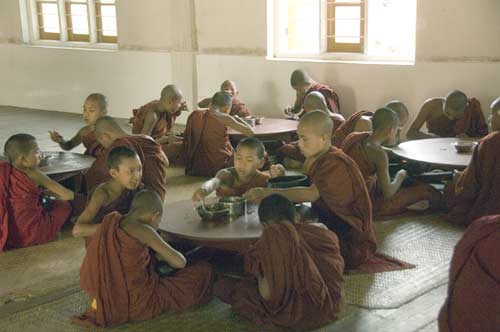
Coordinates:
(206, 143)
(95, 106)
(125, 169)
(362, 121)
(237, 107)
(23, 220)
(365, 148)
(473, 302)
(452, 116)
(338, 192)
(118, 271)
(303, 84)
(298, 272)
(153, 160)
(246, 174)
(475, 192)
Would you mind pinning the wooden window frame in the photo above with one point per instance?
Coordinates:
(98, 16)
(41, 30)
(331, 45)
(69, 22)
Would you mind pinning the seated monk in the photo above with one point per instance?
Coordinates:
(125, 169)
(95, 106)
(206, 143)
(235, 181)
(452, 116)
(118, 271)
(303, 84)
(473, 303)
(362, 121)
(157, 119)
(338, 192)
(154, 162)
(298, 283)
(314, 101)
(237, 107)
(365, 148)
(475, 192)
(25, 220)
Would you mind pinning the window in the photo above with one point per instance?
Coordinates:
(87, 21)
(342, 29)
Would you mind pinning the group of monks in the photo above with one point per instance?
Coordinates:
(295, 270)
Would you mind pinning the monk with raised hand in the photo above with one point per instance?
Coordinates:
(125, 169)
(365, 148)
(118, 271)
(296, 285)
(237, 107)
(206, 143)
(473, 302)
(153, 159)
(24, 221)
(452, 116)
(476, 191)
(246, 174)
(338, 191)
(95, 106)
(303, 84)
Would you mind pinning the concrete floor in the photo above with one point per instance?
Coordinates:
(31, 276)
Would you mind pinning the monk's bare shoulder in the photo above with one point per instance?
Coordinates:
(102, 194)
(84, 131)
(433, 106)
(137, 230)
(375, 154)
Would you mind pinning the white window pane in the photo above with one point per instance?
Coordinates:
(50, 18)
(107, 1)
(49, 8)
(347, 12)
(347, 28)
(303, 28)
(109, 26)
(108, 11)
(78, 1)
(79, 19)
(79, 10)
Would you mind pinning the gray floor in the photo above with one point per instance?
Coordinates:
(29, 278)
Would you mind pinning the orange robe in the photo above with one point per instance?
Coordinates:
(206, 144)
(348, 127)
(237, 108)
(163, 126)
(154, 164)
(92, 146)
(344, 205)
(473, 303)
(259, 180)
(300, 296)
(23, 222)
(472, 123)
(118, 272)
(477, 192)
(353, 146)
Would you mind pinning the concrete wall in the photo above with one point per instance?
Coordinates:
(198, 43)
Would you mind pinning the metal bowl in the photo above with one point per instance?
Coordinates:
(213, 212)
(288, 181)
(236, 205)
(258, 120)
(464, 147)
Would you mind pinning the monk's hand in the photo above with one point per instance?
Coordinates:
(199, 195)
(288, 111)
(277, 170)
(255, 195)
(184, 106)
(56, 137)
(401, 175)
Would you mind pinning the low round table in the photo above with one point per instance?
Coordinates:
(270, 128)
(434, 151)
(181, 221)
(63, 165)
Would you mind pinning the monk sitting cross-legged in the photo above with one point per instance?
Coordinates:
(25, 219)
(125, 169)
(338, 191)
(476, 191)
(235, 181)
(206, 143)
(452, 116)
(118, 271)
(365, 148)
(298, 273)
(473, 303)
(154, 162)
(237, 107)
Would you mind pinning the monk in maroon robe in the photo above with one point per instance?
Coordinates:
(473, 303)
(452, 116)
(118, 271)
(237, 107)
(24, 221)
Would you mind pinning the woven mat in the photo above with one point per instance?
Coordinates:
(425, 241)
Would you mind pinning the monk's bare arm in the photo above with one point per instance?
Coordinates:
(297, 195)
(147, 235)
(223, 177)
(237, 124)
(381, 161)
(85, 224)
(44, 181)
(425, 112)
(72, 143)
(299, 100)
(264, 290)
(205, 103)
(149, 123)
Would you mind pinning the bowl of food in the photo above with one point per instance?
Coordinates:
(237, 205)
(464, 146)
(288, 181)
(213, 212)
(250, 120)
(259, 120)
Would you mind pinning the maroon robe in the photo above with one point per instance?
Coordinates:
(163, 126)
(259, 180)
(348, 127)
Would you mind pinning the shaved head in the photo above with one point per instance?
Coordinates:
(315, 101)
(455, 101)
(107, 124)
(384, 118)
(276, 207)
(400, 109)
(227, 84)
(299, 78)
(495, 105)
(320, 121)
(221, 100)
(146, 201)
(19, 145)
(100, 99)
(171, 92)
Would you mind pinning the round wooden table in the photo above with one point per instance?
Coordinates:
(63, 162)
(434, 151)
(271, 128)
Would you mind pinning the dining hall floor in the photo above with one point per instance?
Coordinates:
(39, 288)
